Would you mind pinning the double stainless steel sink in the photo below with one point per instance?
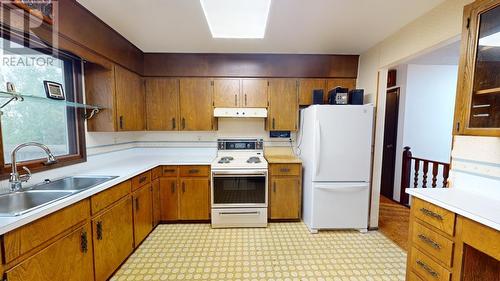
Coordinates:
(19, 203)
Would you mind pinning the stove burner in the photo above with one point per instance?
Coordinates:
(253, 160)
(225, 160)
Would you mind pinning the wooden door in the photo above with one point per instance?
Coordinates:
(113, 238)
(156, 202)
(130, 100)
(283, 105)
(143, 213)
(193, 199)
(227, 93)
(306, 88)
(162, 104)
(68, 259)
(390, 138)
(169, 199)
(254, 93)
(348, 83)
(196, 104)
(285, 198)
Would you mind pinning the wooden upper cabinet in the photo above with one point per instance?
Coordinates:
(130, 109)
(227, 92)
(194, 199)
(477, 109)
(306, 88)
(196, 110)
(162, 104)
(254, 93)
(68, 259)
(283, 110)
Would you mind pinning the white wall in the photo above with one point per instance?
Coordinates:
(228, 127)
(426, 114)
(437, 27)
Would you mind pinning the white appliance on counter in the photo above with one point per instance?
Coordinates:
(335, 145)
(239, 184)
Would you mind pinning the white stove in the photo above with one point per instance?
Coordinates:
(239, 184)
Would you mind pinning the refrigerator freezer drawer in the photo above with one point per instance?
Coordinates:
(342, 205)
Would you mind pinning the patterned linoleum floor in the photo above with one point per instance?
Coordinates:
(283, 251)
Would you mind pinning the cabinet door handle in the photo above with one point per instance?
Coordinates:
(121, 122)
(193, 171)
(285, 170)
(235, 100)
(84, 242)
(183, 187)
(274, 187)
(274, 123)
(245, 99)
(168, 170)
(143, 179)
(429, 241)
(137, 204)
(427, 268)
(183, 123)
(99, 230)
(431, 214)
(173, 123)
(172, 187)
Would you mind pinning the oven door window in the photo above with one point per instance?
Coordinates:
(239, 189)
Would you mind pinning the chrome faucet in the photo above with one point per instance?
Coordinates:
(16, 180)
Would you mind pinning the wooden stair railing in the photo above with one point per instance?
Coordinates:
(406, 176)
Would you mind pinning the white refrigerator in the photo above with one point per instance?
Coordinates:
(335, 145)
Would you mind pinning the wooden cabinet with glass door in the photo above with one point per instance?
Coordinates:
(477, 110)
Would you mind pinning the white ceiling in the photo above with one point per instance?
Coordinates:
(294, 26)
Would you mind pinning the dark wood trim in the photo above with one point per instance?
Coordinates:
(250, 65)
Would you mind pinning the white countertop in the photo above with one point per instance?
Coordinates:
(477, 207)
(123, 164)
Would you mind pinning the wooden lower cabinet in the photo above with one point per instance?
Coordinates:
(285, 197)
(169, 199)
(143, 213)
(113, 238)
(194, 199)
(68, 259)
(156, 202)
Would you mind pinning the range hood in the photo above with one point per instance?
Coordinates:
(240, 112)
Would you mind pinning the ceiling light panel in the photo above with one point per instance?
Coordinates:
(236, 18)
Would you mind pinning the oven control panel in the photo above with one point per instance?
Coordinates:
(241, 144)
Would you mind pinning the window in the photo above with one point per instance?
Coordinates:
(50, 122)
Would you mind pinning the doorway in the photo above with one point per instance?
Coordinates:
(390, 140)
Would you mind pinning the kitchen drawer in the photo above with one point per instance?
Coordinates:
(414, 277)
(438, 217)
(26, 238)
(432, 243)
(194, 171)
(156, 173)
(141, 180)
(170, 171)
(424, 266)
(285, 169)
(109, 196)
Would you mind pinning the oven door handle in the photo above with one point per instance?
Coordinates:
(240, 173)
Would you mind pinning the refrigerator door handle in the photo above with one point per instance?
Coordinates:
(344, 188)
(317, 146)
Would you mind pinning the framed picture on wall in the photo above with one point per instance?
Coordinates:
(54, 90)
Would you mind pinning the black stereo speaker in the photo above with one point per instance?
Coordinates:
(356, 96)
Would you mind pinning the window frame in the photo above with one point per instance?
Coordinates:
(78, 122)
